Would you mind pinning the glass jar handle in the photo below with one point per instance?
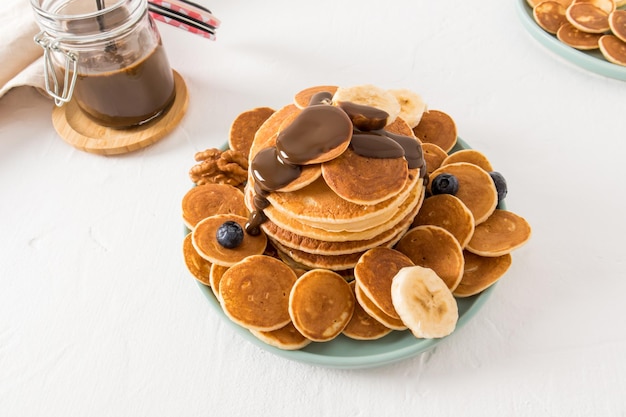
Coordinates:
(53, 88)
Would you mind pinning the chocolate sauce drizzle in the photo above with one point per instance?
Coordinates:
(319, 128)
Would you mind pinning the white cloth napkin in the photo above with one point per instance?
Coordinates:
(20, 57)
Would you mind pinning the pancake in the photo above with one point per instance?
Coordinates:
(400, 127)
(374, 272)
(503, 232)
(480, 273)
(476, 188)
(303, 98)
(215, 276)
(613, 49)
(269, 129)
(362, 326)
(253, 300)
(372, 309)
(357, 179)
(471, 156)
(607, 6)
(437, 127)
(199, 267)
(617, 22)
(205, 241)
(448, 212)
(588, 18)
(549, 15)
(435, 248)
(321, 304)
(569, 35)
(434, 156)
(244, 128)
(209, 199)
(286, 338)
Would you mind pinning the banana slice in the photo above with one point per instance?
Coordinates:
(370, 95)
(424, 302)
(412, 106)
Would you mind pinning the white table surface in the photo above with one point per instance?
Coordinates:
(99, 316)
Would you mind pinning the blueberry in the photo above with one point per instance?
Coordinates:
(444, 184)
(500, 184)
(229, 234)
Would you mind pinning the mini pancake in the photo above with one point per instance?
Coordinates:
(205, 241)
(244, 128)
(374, 272)
(373, 310)
(435, 248)
(613, 49)
(209, 199)
(617, 22)
(303, 97)
(321, 304)
(199, 267)
(362, 326)
(578, 39)
(480, 273)
(471, 156)
(286, 338)
(434, 156)
(549, 15)
(606, 5)
(255, 293)
(358, 179)
(436, 127)
(533, 3)
(448, 212)
(216, 274)
(400, 127)
(503, 232)
(269, 128)
(476, 188)
(588, 18)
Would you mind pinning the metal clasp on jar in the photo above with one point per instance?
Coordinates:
(61, 94)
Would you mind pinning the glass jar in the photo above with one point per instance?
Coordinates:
(108, 57)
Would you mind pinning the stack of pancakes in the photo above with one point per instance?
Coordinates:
(338, 209)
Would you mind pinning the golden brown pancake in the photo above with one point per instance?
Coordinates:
(205, 241)
(373, 310)
(244, 128)
(362, 326)
(436, 127)
(607, 6)
(617, 22)
(255, 293)
(503, 232)
(358, 179)
(374, 272)
(613, 49)
(480, 273)
(269, 128)
(435, 248)
(588, 18)
(400, 127)
(303, 97)
(321, 304)
(476, 188)
(433, 155)
(199, 267)
(549, 15)
(533, 3)
(286, 338)
(471, 156)
(578, 39)
(209, 199)
(216, 274)
(448, 212)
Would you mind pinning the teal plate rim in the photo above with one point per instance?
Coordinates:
(590, 60)
(345, 353)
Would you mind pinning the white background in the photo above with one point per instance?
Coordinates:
(99, 316)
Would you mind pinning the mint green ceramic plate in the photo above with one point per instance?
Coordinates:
(346, 353)
(590, 60)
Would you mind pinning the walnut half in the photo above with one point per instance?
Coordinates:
(219, 167)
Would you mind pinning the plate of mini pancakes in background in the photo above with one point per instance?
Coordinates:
(588, 33)
(353, 283)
